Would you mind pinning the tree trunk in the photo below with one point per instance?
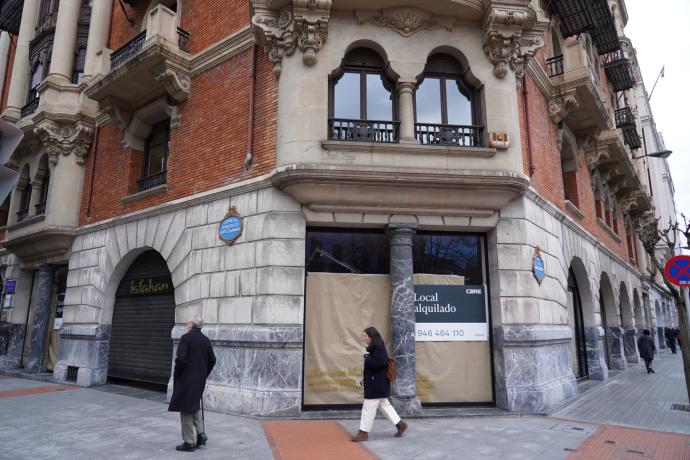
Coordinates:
(685, 341)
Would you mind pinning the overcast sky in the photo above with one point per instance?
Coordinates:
(658, 31)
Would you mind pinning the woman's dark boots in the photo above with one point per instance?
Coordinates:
(360, 436)
(401, 426)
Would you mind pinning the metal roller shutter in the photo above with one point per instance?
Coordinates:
(140, 345)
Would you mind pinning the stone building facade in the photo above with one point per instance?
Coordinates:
(346, 139)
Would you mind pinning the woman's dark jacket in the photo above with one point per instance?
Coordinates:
(646, 346)
(376, 383)
(193, 363)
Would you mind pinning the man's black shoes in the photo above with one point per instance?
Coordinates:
(186, 447)
(201, 439)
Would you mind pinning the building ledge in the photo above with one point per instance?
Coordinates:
(609, 230)
(43, 243)
(26, 222)
(570, 206)
(158, 190)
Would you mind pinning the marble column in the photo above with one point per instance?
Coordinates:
(62, 59)
(41, 319)
(19, 83)
(406, 110)
(404, 398)
(98, 35)
(596, 358)
(616, 354)
(630, 346)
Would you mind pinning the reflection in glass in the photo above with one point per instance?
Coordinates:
(428, 101)
(366, 251)
(459, 108)
(449, 254)
(346, 103)
(379, 102)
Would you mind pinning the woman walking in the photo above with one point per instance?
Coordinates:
(646, 346)
(376, 387)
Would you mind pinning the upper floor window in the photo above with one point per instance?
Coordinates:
(156, 156)
(24, 202)
(45, 186)
(36, 79)
(362, 100)
(446, 105)
(79, 60)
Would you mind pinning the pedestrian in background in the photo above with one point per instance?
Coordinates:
(193, 364)
(646, 347)
(377, 387)
(671, 337)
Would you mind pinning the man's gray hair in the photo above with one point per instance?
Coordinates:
(197, 322)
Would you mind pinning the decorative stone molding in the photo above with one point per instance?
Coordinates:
(177, 84)
(118, 111)
(302, 24)
(559, 106)
(65, 139)
(512, 35)
(596, 156)
(406, 20)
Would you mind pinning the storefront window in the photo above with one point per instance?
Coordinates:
(347, 251)
(449, 254)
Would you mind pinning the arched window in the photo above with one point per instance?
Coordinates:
(24, 203)
(156, 156)
(79, 60)
(446, 105)
(362, 100)
(45, 185)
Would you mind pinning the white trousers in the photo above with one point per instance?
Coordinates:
(369, 413)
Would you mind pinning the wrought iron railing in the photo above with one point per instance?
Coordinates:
(154, 180)
(41, 208)
(22, 214)
(454, 135)
(30, 108)
(554, 66)
(619, 71)
(625, 120)
(127, 51)
(624, 117)
(183, 39)
(575, 16)
(363, 130)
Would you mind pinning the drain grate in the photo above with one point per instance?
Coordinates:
(683, 407)
(72, 373)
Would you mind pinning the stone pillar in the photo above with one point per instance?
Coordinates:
(19, 83)
(41, 319)
(630, 346)
(616, 354)
(62, 59)
(404, 397)
(406, 111)
(596, 358)
(98, 35)
(661, 337)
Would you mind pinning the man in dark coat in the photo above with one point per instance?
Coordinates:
(193, 364)
(671, 336)
(646, 347)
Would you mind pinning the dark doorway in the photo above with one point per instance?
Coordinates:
(604, 325)
(576, 323)
(143, 317)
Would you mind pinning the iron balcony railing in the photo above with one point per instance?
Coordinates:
(363, 130)
(619, 71)
(453, 135)
(554, 66)
(183, 39)
(154, 180)
(127, 51)
(41, 208)
(11, 15)
(575, 16)
(625, 121)
(22, 214)
(30, 108)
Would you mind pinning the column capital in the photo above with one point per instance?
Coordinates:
(401, 233)
(402, 85)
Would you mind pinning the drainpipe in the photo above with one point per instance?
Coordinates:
(93, 170)
(250, 122)
(531, 167)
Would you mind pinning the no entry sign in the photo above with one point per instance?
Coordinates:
(678, 270)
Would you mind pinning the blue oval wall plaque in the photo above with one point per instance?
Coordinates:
(538, 266)
(230, 227)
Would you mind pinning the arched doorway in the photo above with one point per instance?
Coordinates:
(611, 322)
(578, 344)
(143, 317)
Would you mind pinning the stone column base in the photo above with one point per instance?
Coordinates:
(407, 407)
(617, 359)
(86, 347)
(630, 345)
(11, 352)
(596, 359)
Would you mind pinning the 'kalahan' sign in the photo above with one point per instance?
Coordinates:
(450, 313)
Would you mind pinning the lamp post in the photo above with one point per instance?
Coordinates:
(659, 154)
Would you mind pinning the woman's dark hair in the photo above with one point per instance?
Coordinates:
(376, 339)
(646, 332)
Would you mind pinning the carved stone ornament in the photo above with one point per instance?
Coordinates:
(303, 25)
(177, 84)
(406, 20)
(559, 106)
(65, 139)
(119, 111)
(512, 34)
(596, 156)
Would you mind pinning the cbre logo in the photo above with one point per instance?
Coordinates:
(473, 291)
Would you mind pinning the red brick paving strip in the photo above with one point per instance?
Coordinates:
(614, 442)
(322, 440)
(35, 390)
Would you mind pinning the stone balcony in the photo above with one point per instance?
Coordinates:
(152, 64)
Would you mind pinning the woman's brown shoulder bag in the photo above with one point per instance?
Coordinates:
(392, 369)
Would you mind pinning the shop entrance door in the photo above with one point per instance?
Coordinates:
(143, 317)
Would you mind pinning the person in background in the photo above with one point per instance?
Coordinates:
(671, 336)
(193, 364)
(376, 387)
(646, 347)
